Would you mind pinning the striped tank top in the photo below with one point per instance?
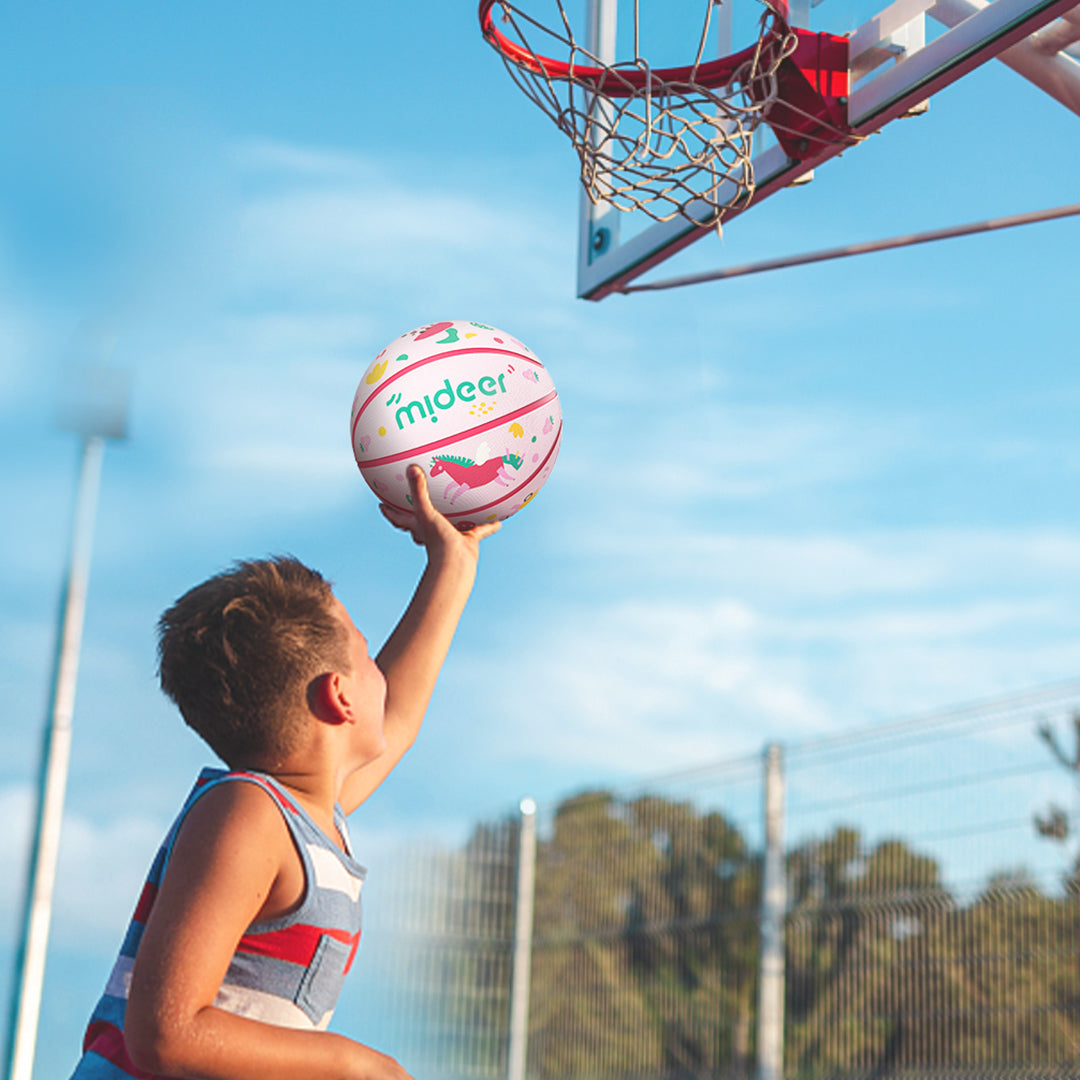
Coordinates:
(286, 971)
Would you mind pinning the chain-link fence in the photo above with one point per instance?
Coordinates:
(925, 894)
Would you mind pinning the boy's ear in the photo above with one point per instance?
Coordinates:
(328, 698)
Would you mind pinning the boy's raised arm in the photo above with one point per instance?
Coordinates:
(226, 866)
(414, 653)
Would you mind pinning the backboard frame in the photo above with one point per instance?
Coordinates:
(911, 71)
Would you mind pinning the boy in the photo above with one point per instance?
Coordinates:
(251, 915)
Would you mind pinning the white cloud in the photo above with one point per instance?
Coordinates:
(101, 871)
(854, 565)
(307, 338)
(99, 874)
(16, 804)
(641, 688)
(772, 637)
(268, 157)
(23, 343)
(340, 228)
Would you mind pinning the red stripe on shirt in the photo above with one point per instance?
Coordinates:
(146, 902)
(269, 789)
(352, 953)
(260, 780)
(107, 1040)
(297, 944)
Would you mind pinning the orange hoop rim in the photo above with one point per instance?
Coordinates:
(626, 80)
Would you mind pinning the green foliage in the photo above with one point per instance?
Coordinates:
(888, 976)
(646, 942)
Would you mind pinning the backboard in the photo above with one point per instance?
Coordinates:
(897, 58)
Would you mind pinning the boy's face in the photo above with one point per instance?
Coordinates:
(368, 689)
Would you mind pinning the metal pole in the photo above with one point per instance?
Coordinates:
(523, 929)
(30, 964)
(868, 247)
(770, 1039)
(599, 223)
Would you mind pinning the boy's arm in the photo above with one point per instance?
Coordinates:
(227, 865)
(414, 653)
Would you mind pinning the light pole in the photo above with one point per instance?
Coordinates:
(95, 407)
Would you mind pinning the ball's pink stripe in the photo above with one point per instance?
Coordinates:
(502, 498)
(478, 430)
(429, 360)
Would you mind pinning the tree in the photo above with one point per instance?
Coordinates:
(859, 922)
(1054, 823)
(646, 950)
(645, 941)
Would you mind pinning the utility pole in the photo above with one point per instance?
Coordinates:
(770, 1042)
(95, 407)
(523, 931)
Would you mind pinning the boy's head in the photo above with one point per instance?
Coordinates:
(237, 653)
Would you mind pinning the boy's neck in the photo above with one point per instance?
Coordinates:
(318, 800)
(316, 789)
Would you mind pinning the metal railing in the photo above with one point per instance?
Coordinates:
(898, 902)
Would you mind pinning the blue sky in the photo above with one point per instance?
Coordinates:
(785, 505)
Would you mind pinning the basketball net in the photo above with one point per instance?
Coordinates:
(676, 141)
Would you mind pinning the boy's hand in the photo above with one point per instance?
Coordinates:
(428, 527)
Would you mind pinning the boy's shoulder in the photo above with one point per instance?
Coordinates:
(236, 831)
(223, 801)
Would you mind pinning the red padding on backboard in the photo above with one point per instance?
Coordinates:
(810, 110)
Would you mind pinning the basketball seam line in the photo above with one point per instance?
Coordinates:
(479, 429)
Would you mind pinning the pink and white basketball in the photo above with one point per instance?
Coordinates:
(471, 405)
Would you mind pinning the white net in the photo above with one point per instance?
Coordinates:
(666, 142)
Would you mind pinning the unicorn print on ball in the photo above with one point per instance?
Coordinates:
(465, 474)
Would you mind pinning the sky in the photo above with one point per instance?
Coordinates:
(786, 505)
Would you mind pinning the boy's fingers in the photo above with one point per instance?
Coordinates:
(401, 519)
(424, 509)
(418, 487)
(482, 532)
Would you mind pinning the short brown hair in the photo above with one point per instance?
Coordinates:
(237, 652)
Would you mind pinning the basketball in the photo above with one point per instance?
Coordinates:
(468, 403)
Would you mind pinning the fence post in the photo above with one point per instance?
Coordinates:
(770, 1027)
(523, 930)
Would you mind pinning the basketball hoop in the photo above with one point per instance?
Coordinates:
(678, 141)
